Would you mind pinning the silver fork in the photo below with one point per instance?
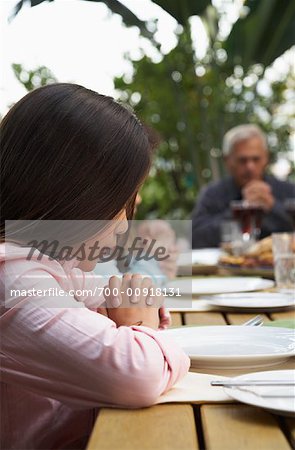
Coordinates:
(257, 321)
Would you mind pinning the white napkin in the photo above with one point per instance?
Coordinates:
(195, 388)
(279, 397)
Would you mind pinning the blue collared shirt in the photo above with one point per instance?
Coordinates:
(213, 207)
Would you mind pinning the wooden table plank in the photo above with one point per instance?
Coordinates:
(232, 427)
(238, 318)
(173, 427)
(162, 427)
(204, 318)
(176, 319)
(289, 315)
(290, 429)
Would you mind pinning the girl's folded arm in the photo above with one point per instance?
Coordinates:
(82, 359)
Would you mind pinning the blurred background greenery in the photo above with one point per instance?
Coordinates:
(192, 101)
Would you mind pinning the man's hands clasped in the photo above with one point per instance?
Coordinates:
(259, 192)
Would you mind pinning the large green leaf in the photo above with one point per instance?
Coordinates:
(181, 10)
(264, 34)
(129, 18)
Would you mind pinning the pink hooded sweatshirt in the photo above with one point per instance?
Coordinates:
(61, 360)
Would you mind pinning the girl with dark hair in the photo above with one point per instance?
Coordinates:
(70, 154)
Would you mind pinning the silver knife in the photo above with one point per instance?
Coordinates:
(226, 383)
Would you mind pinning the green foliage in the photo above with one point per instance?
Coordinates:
(32, 79)
(184, 9)
(264, 34)
(115, 6)
(192, 104)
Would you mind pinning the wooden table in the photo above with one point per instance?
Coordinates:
(230, 426)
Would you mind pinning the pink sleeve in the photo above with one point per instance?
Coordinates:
(88, 287)
(82, 359)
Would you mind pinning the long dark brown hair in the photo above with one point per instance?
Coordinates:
(69, 153)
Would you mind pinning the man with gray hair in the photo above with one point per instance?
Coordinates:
(246, 157)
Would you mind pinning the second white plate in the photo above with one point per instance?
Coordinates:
(258, 301)
(204, 256)
(219, 285)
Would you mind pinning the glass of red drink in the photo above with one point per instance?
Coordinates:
(249, 216)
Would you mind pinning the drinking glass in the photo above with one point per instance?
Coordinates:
(231, 237)
(249, 215)
(283, 245)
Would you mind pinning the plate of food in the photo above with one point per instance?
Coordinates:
(256, 260)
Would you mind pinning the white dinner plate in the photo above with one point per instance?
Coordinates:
(232, 347)
(219, 285)
(187, 304)
(278, 399)
(258, 301)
